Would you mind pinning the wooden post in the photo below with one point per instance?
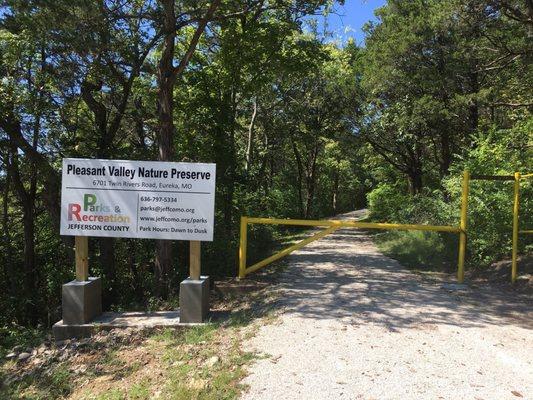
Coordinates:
(462, 234)
(82, 258)
(195, 259)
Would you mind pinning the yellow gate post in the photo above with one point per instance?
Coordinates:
(242, 247)
(462, 234)
(515, 225)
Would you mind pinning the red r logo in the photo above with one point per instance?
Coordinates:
(74, 210)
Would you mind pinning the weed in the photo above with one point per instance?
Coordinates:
(200, 333)
(113, 394)
(140, 391)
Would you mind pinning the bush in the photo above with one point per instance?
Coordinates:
(418, 250)
(386, 203)
(490, 203)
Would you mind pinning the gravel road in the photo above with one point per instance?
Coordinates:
(354, 324)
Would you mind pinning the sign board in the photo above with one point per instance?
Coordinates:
(138, 199)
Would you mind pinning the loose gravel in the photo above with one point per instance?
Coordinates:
(355, 324)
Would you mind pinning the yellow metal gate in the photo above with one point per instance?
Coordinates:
(333, 225)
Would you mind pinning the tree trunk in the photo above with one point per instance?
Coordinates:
(139, 117)
(165, 107)
(7, 254)
(134, 270)
(225, 161)
(52, 182)
(232, 165)
(309, 196)
(30, 267)
(446, 154)
(529, 5)
(249, 149)
(473, 108)
(311, 181)
(335, 192)
(299, 166)
(167, 75)
(415, 181)
(27, 201)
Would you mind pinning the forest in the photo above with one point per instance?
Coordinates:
(300, 125)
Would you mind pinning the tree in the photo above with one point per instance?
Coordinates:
(424, 85)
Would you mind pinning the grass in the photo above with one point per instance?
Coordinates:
(113, 394)
(200, 334)
(419, 251)
(54, 384)
(292, 236)
(138, 391)
(203, 362)
(179, 355)
(193, 335)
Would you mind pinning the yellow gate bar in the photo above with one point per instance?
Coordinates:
(354, 224)
(287, 251)
(529, 231)
(492, 177)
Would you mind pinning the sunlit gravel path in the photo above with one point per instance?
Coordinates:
(356, 325)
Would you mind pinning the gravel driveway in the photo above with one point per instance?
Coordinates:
(356, 325)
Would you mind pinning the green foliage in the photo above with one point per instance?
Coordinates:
(490, 204)
(113, 394)
(140, 391)
(436, 104)
(418, 250)
(498, 152)
(298, 126)
(387, 203)
(14, 335)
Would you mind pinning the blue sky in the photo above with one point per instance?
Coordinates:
(346, 21)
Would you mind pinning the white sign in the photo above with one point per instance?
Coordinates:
(138, 199)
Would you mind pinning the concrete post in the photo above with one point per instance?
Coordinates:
(82, 301)
(194, 300)
(194, 291)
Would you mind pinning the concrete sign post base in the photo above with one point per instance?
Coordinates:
(194, 300)
(82, 301)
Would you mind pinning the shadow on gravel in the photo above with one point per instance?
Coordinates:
(329, 280)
